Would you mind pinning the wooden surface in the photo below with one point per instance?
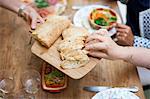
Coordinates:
(16, 56)
(52, 56)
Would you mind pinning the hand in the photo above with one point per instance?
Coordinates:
(32, 16)
(124, 35)
(102, 47)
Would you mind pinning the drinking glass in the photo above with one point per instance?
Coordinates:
(31, 81)
(21, 94)
(7, 83)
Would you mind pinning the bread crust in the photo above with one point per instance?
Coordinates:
(48, 32)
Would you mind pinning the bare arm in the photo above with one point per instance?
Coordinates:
(28, 12)
(138, 56)
(12, 5)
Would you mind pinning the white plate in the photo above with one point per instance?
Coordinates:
(81, 17)
(115, 93)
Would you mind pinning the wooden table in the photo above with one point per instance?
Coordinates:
(16, 56)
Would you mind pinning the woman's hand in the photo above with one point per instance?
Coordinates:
(124, 35)
(24, 10)
(102, 47)
(32, 16)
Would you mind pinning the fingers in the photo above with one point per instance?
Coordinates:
(121, 38)
(41, 19)
(35, 19)
(115, 39)
(102, 32)
(97, 54)
(93, 41)
(122, 34)
(95, 37)
(118, 25)
(98, 35)
(121, 30)
(33, 22)
(96, 46)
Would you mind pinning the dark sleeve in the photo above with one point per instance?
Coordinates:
(123, 1)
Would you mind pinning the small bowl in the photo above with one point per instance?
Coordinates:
(102, 18)
(57, 84)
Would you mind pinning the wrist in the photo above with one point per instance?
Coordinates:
(124, 53)
(15, 6)
(21, 10)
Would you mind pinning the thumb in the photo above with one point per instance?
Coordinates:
(33, 23)
(96, 46)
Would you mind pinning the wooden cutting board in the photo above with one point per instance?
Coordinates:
(52, 57)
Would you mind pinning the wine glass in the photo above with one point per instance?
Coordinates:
(21, 94)
(31, 81)
(7, 83)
